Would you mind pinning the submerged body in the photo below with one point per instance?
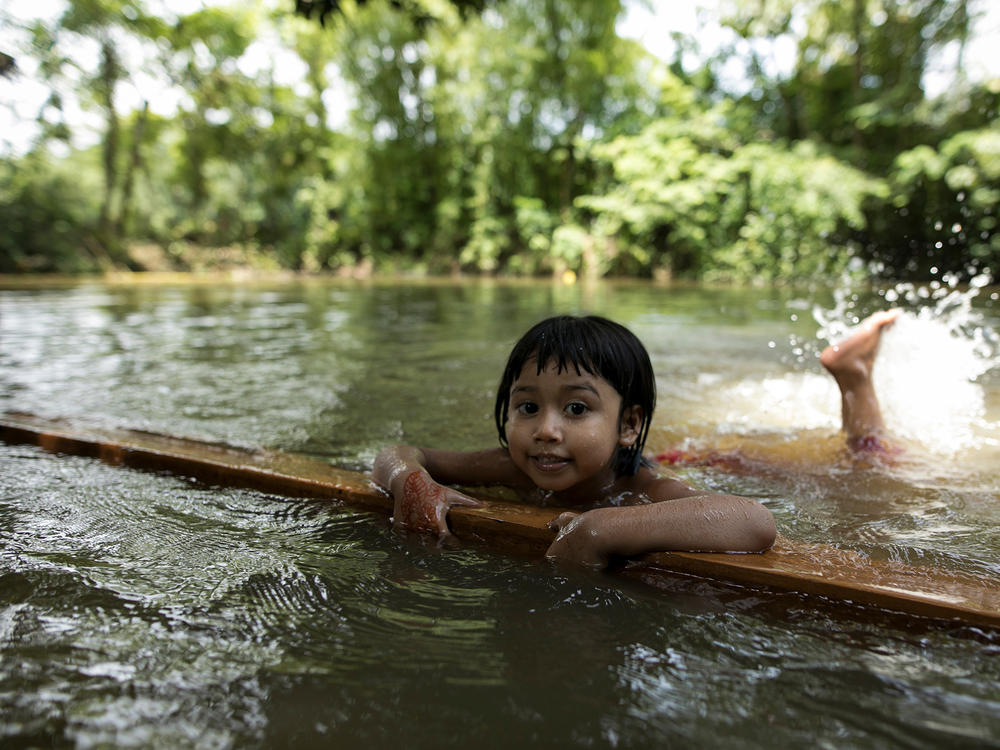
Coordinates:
(851, 362)
(572, 423)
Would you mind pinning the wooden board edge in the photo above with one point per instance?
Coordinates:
(520, 528)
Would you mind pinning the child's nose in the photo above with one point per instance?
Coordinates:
(548, 428)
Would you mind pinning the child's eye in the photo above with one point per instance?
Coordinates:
(527, 407)
(577, 408)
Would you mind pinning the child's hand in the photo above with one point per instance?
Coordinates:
(577, 541)
(423, 505)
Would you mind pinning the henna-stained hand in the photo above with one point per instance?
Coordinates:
(424, 505)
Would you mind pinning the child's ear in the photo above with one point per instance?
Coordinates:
(628, 431)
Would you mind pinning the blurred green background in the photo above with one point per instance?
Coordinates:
(772, 140)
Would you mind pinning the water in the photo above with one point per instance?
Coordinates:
(944, 338)
(139, 609)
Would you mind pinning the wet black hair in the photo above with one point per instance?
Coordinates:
(600, 347)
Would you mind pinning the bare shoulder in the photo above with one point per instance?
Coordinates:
(658, 487)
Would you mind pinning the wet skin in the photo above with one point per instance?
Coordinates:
(423, 503)
(564, 429)
(851, 362)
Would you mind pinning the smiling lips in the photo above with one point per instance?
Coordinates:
(551, 463)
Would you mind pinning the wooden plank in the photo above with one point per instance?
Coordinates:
(837, 574)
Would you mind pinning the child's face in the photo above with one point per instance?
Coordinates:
(563, 428)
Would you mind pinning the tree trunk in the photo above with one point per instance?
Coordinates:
(858, 24)
(109, 75)
(124, 225)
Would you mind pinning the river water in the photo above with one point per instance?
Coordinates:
(148, 610)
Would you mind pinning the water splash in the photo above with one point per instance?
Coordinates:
(788, 403)
(929, 361)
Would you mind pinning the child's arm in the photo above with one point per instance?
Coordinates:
(415, 478)
(700, 523)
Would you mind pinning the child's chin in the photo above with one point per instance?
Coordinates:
(551, 483)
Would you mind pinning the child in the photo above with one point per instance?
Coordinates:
(572, 412)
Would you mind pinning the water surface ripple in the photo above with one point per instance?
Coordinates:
(146, 610)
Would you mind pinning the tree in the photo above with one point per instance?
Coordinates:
(857, 80)
(542, 76)
(688, 197)
(107, 21)
(420, 12)
(216, 117)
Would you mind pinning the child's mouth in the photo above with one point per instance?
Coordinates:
(550, 463)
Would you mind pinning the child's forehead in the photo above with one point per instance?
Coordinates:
(563, 370)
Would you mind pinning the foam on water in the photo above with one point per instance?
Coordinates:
(794, 401)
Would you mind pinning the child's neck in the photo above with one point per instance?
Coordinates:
(604, 489)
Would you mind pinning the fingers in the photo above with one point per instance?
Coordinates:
(559, 522)
(441, 522)
(891, 315)
(457, 498)
(425, 504)
(570, 548)
(450, 499)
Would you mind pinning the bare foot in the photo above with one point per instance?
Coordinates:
(850, 362)
(852, 359)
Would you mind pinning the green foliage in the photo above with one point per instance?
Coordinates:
(945, 201)
(421, 12)
(47, 213)
(527, 138)
(858, 77)
(802, 210)
(712, 209)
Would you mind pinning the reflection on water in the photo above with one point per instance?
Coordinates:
(147, 610)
